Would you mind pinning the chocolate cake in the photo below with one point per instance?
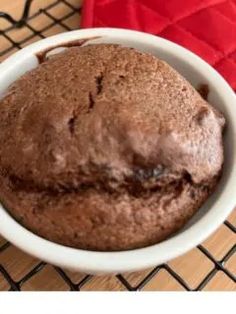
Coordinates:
(103, 147)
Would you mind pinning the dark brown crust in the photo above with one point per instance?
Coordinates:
(203, 90)
(42, 55)
(106, 148)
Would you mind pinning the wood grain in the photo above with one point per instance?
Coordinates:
(193, 267)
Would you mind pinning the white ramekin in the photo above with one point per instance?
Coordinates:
(207, 219)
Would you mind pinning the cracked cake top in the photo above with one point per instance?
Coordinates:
(105, 147)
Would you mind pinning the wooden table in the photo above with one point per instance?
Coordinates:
(188, 271)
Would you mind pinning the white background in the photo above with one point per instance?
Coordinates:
(116, 302)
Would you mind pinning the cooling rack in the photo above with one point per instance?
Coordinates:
(210, 266)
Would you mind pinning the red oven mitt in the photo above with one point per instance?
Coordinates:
(207, 27)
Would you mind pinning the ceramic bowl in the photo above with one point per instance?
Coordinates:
(208, 217)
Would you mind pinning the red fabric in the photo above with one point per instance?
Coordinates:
(207, 27)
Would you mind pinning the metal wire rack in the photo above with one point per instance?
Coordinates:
(18, 271)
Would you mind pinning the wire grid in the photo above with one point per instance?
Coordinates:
(28, 30)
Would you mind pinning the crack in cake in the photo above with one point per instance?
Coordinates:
(103, 147)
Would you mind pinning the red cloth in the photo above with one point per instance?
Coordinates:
(207, 27)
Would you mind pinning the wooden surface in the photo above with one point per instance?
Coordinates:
(193, 267)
